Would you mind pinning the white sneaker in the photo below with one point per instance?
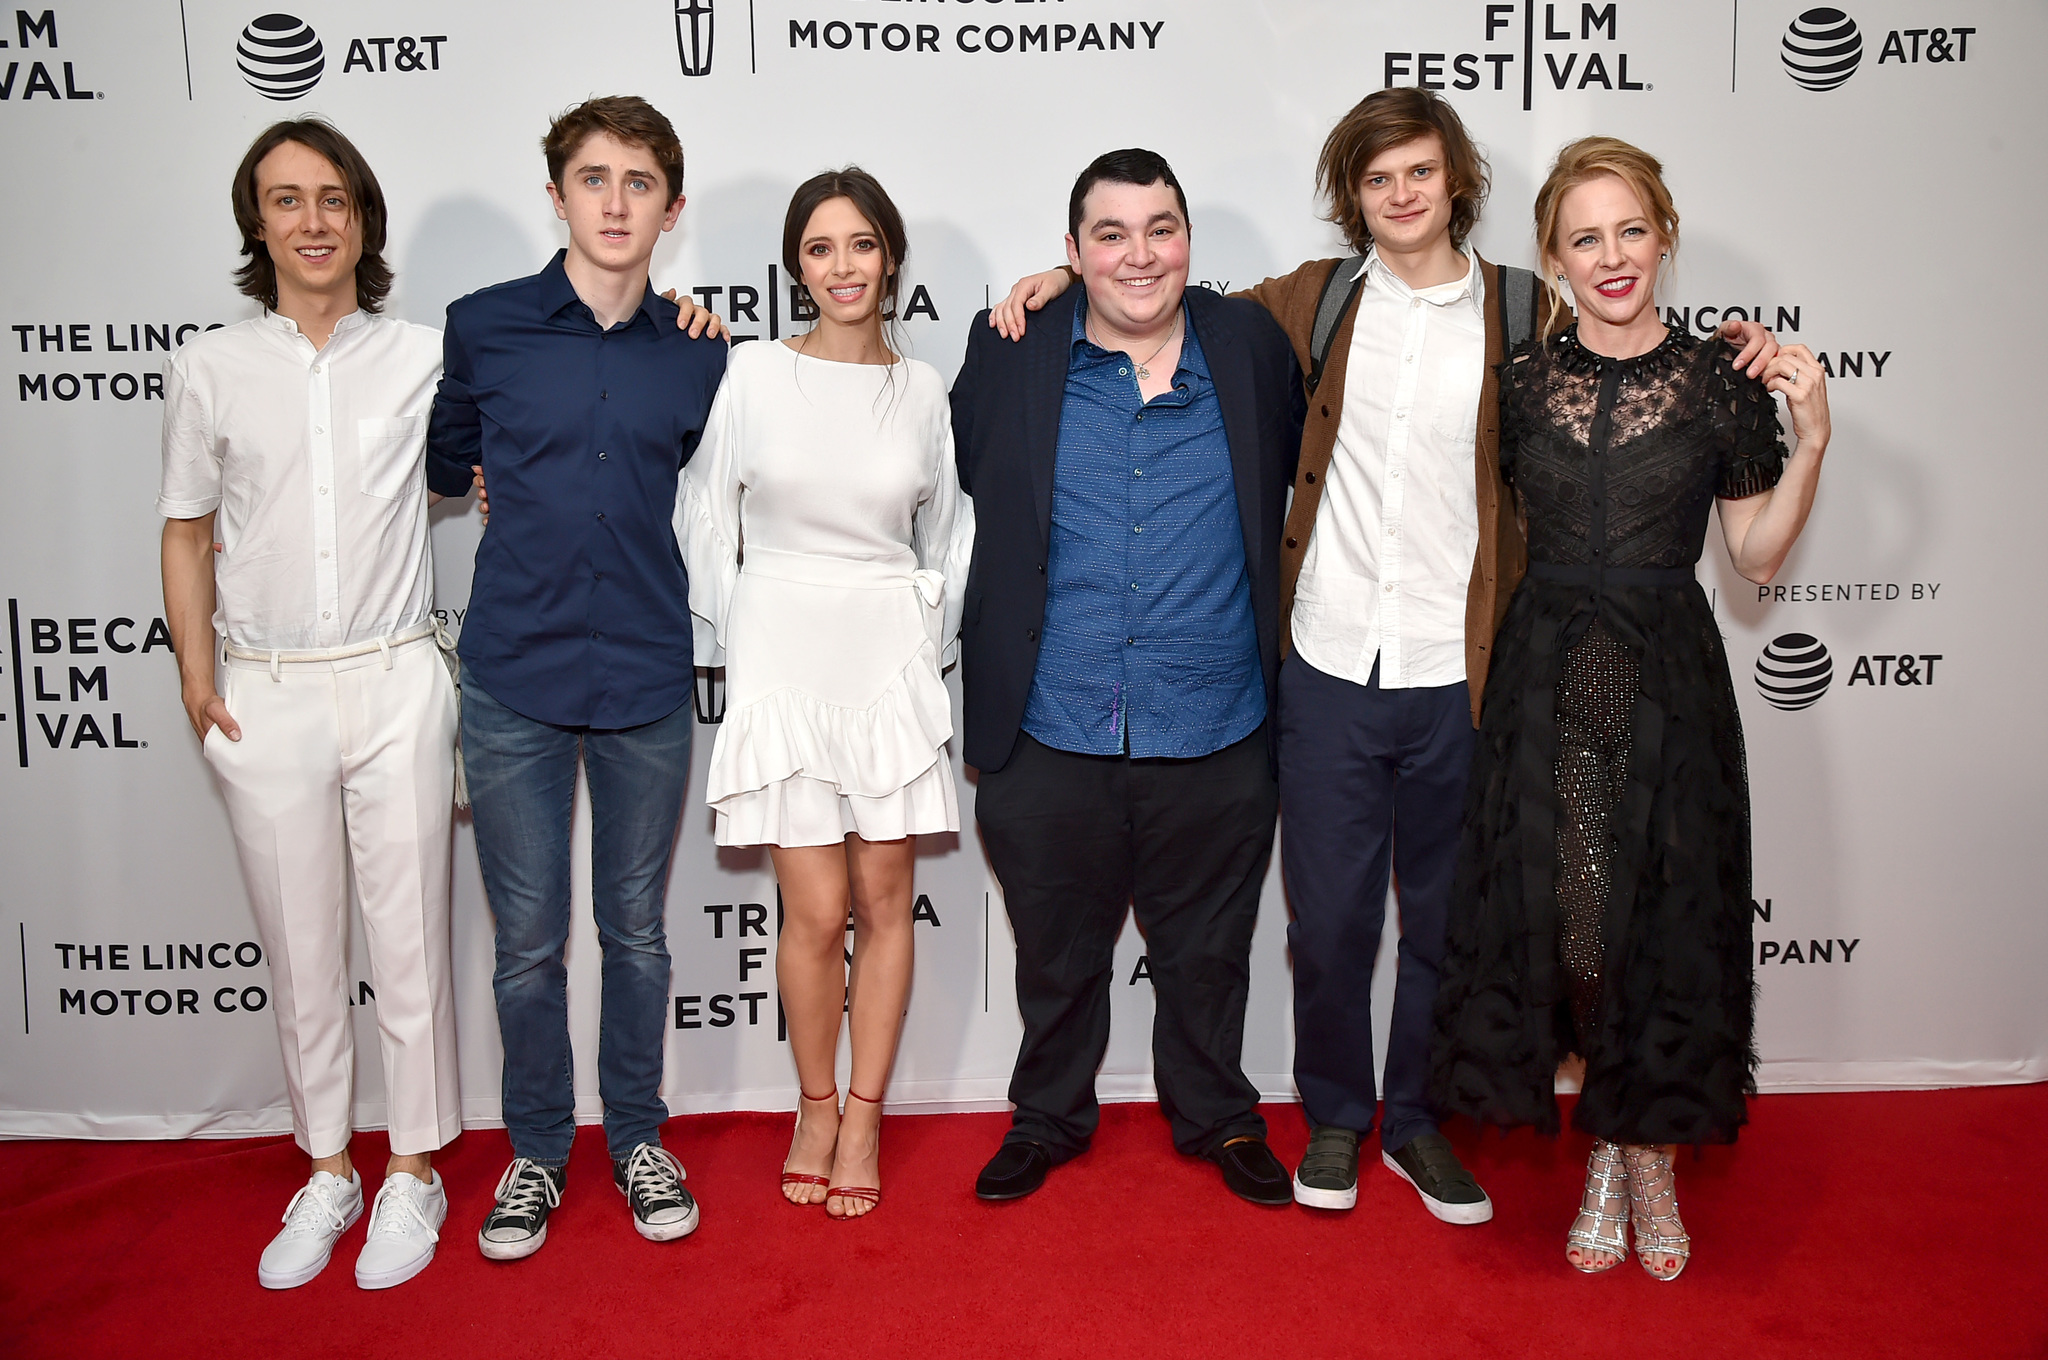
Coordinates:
(405, 1224)
(315, 1219)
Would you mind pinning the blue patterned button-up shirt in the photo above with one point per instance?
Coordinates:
(1150, 644)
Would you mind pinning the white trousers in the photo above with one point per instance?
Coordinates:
(350, 764)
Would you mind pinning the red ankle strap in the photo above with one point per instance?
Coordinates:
(865, 1100)
(831, 1095)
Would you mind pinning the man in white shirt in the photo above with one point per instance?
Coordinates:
(295, 510)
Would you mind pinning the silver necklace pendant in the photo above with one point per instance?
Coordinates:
(1144, 373)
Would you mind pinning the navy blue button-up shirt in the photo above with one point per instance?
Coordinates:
(1150, 642)
(579, 613)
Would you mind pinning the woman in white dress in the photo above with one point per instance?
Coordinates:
(827, 541)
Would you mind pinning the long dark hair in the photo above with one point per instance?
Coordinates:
(257, 277)
(871, 201)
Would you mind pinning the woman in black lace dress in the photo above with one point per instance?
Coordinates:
(1603, 898)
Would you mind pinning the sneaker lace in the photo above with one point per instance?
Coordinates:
(397, 1202)
(522, 1188)
(313, 1210)
(653, 1173)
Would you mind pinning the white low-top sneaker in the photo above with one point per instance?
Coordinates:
(315, 1219)
(405, 1225)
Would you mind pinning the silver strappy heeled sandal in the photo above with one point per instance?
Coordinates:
(1602, 1223)
(1653, 1211)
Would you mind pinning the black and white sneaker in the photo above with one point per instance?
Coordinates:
(652, 1182)
(518, 1222)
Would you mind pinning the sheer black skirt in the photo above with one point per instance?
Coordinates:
(1602, 903)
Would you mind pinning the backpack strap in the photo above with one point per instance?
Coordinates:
(1517, 293)
(1340, 290)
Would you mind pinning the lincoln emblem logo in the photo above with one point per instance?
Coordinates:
(693, 36)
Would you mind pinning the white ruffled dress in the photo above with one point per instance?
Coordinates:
(827, 541)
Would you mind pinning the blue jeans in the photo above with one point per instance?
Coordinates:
(522, 787)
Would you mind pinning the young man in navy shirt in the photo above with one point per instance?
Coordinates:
(575, 396)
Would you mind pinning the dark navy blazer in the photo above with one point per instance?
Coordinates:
(1006, 425)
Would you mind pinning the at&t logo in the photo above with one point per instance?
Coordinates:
(282, 58)
(1794, 671)
(1823, 47)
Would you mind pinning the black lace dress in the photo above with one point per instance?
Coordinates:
(1602, 902)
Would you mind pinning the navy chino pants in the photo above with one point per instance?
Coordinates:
(1372, 781)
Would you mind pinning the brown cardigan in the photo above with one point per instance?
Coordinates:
(1502, 557)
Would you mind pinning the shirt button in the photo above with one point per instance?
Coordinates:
(597, 576)
(1401, 415)
(1031, 635)
(1141, 417)
(323, 490)
(604, 396)
(594, 633)
(1389, 587)
(1137, 528)
(323, 552)
(318, 429)
(1124, 372)
(325, 615)
(600, 455)
(1416, 303)
(1408, 359)
(1041, 568)
(1137, 472)
(1130, 642)
(600, 514)
(1309, 477)
(1290, 542)
(1134, 585)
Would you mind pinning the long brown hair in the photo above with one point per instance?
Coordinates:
(257, 276)
(871, 201)
(1389, 118)
(1588, 159)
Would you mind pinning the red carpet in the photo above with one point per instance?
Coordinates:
(1847, 1225)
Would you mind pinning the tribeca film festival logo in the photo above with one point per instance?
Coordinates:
(1823, 47)
(64, 695)
(23, 81)
(737, 923)
(1506, 58)
(282, 57)
(1795, 670)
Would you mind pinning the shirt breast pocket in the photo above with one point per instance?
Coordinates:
(390, 453)
(1456, 421)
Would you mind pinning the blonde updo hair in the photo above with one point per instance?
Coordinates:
(1587, 159)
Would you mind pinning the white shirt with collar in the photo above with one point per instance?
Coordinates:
(1389, 563)
(314, 459)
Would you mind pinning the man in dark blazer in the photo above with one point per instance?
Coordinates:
(1129, 462)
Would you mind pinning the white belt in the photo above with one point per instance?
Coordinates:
(279, 658)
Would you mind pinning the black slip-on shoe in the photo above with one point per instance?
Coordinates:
(1328, 1175)
(1447, 1188)
(1014, 1172)
(1252, 1172)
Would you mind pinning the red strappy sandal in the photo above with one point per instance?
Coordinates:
(790, 1178)
(866, 1193)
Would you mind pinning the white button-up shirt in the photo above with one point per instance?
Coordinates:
(315, 461)
(1389, 563)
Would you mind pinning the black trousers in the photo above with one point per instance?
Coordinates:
(1374, 782)
(1077, 839)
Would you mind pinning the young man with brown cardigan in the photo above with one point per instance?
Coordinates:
(1400, 553)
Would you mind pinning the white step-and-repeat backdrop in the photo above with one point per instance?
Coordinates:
(1875, 207)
